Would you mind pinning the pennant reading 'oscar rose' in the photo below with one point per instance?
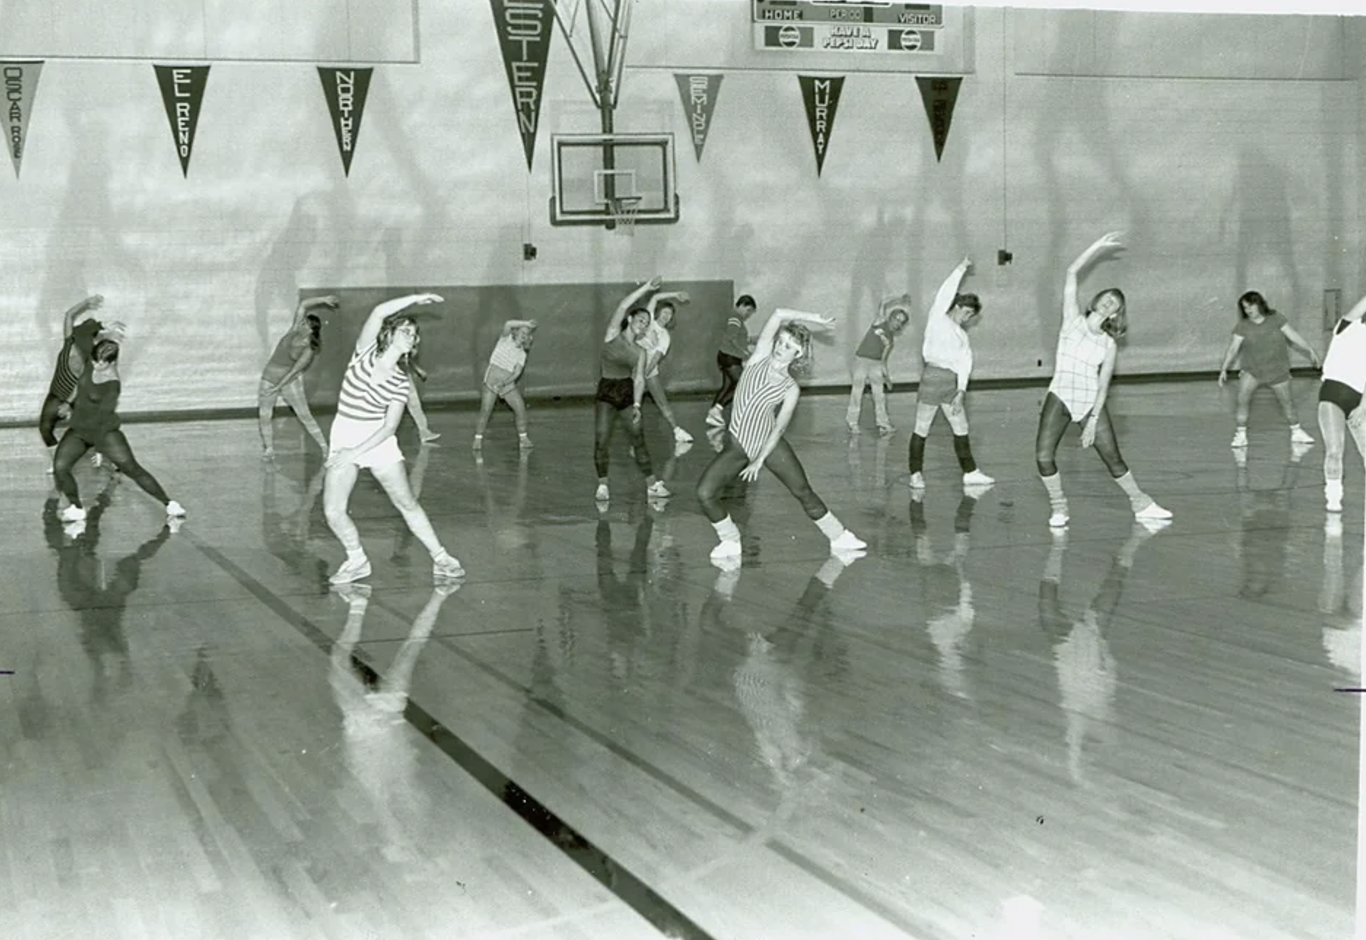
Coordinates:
(182, 91)
(822, 97)
(939, 96)
(524, 28)
(699, 100)
(345, 90)
(21, 85)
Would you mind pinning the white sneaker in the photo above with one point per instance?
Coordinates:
(72, 514)
(174, 509)
(977, 478)
(1151, 526)
(682, 436)
(847, 541)
(716, 417)
(657, 490)
(447, 567)
(74, 530)
(601, 494)
(1297, 451)
(524, 442)
(428, 436)
(1152, 511)
(682, 447)
(1333, 502)
(1058, 520)
(1239, 438)
(351, 571)
(916, 481)
(1299, 435)
(1332, 526)
(726, 548)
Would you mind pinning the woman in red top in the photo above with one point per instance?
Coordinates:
(283, 376)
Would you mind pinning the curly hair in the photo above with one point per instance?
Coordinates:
(802, 365)
(106, 350)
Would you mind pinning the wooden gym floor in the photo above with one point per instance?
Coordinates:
(980, 729)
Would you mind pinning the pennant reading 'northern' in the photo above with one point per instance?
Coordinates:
(822, 97)
(939, 96)
(182, 91)
(345, 90)
(21, 85)
(524, 28)
(699, 100)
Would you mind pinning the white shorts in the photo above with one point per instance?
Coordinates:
(348, 432)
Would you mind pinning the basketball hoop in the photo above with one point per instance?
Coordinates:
(624, 212)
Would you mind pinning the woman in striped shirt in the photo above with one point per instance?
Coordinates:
(77, 341)
(765, 399)
(1082, 368)
(373, 396)
(506, 363)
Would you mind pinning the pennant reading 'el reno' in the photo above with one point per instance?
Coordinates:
(699, 100)
(822, 97)
(21, 85)
(524, 28)
(345, 90)
(182, 90)
(939, 96)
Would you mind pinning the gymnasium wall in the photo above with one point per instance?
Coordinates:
(1229, 148)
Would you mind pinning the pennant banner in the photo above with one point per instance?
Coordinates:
(939, 96)
(822, 97)
(345, 90)
(182, 91)
(699, 100)
(21, 85)
(524, 28)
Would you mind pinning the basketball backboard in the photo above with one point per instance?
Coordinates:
(593, 173)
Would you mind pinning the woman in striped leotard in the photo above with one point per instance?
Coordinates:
(77, 343)
(373, 395)
(764, 402)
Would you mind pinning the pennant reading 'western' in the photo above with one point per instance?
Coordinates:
(524, 28)
(699, 100)
(182, 90)
(21, 85)
(939, 96)
(822, 97)
(345, 90)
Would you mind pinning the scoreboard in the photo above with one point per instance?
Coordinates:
(841, 26)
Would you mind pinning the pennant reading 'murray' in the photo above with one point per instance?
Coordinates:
(524, 28)
(821, 96)
(21, 85)
(345, 90)
(182, 90)
(939, 96)
(699, 100)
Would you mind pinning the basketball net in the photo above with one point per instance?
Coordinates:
(624, 212)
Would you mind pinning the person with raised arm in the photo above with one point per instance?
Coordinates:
(870, 364)
(663, 307)
(1340, 412)
(1082, 369)
(283, 375)
(77, 342)
(621, 386)
(765, 400)
(370, 406)
(506, 363)
(947, 354)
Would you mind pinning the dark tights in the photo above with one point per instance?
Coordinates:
(1053, 422)
(604, 420)
(114, 446)
(726, 466)
(730, 367)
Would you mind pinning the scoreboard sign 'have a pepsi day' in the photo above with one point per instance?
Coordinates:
(839, 26)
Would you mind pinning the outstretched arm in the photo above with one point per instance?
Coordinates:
(512, 326)
(943, 298)
(308, 303)
(627, 302)
(1234, 344)
(1106, 243)
(69, 318)
(763, 346)
(1299, 342)
(370, 329)
(679, 298)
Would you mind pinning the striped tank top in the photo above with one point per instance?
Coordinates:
(82, 342)
(757, 399)
(362, 397)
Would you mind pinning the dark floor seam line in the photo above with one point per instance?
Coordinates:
(609, 873)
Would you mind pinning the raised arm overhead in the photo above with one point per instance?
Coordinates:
(627, 302)
(943, 298)
(92, 302)
(308, 303)
(370, 330)
(1103, 245)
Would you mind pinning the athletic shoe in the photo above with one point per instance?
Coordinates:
(716, 417)
(1333, 501)
(351, 571)
(974, 490)
(726, 548)
(682, 436)
(886, 430)
(601, 494)
(524, 442)
(72, 514)
(1059, 519)
(682, 447)
(847, 541)
(74, 530)
(1239, 438)
(174, 509)
(447, 567)
(1297, 451)
(1299, 435)
(977, 478)
(657, 490)
(916, 481)
(478, 442)
(428, 436)
(1151, 512)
